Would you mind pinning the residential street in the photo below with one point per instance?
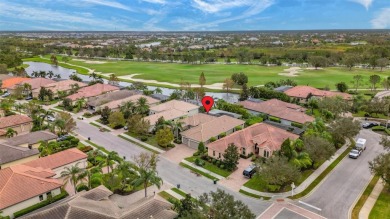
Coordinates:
(338, 192)
(169, 171)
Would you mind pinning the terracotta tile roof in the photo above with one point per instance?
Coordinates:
(280, 109)
(174, 104)
(20, 183)
(8, 83)
(64, 85)
(266, 136)
(168, 115)
(36, 83)
(212, 128)
(58, 159)
(116, 103)
(99, 203)
(107, 97)
(92, 91)
(14, 120)
(11, 153)
(3, 77)
(304, 91)
(31, 138)
(197, 119)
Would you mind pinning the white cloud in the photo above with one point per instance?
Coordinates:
(213, 6)
(365, 3)
(155, 1)
(381, 20)
(112, 4)
(54, 18)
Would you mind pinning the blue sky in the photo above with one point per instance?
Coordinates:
(183, 15)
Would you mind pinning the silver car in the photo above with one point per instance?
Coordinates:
(354, 153)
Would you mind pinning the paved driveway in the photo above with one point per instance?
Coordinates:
(168, 170)
(178, 153)
(236, 179)
(342, 187)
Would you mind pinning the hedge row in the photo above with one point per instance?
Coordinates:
(274, 119)
(41, 204)
(299, 125)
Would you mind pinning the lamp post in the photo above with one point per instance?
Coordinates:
(292, 188)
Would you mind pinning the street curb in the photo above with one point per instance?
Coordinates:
(357, 198)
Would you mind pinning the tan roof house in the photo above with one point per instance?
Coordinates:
(13, 155)
(19, 123)
(303, 93)
(287, 112)
(58, 161)
(95, 102)
(63, 86)
(36, 84)
(93, 90)
(216, 127)
(100, 203)
(114, 105)
(23, 186)
(31, 139)
(260, 139)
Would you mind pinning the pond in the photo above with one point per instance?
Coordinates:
(66, 72)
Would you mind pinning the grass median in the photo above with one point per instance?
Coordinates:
(364, 197)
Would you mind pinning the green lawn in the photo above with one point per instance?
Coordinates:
(167, 196)
(363, 198)
(210, 167)
(382, 206)
(373, 115)
(128, 139)
(151, 140)
(216, 73)
(198, 171)
(253, 195)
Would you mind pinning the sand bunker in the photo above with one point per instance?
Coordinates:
(291, 72)
(216, 86)
(312, 68)
(90, 61)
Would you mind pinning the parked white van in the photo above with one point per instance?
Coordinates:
(361, 143)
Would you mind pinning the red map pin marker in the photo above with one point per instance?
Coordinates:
(207, 103)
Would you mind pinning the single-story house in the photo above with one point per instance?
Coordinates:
(101, 203)
(93, 90)
(303, 93)
(19, 123)
(114, 105)
(9, 82)
(24, 186)
(36, 84)
(218, 112)
(195, 120)
(13, 155)
(95, 102)
(171, 111)
(31, 139)
(287, 112)
(58, 161)
(63, 86)
(213, 128)
(260, 139)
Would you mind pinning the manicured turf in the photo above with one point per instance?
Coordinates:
(382, 206)
(216, 73)
(210, 167)
(363, 198)
(128, 139)
(167, 196)
(198, 171)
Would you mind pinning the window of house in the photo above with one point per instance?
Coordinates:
(41, 198)
(219, 155)
(243, 151)
(48, 194)
(265, 153)
(214, 153)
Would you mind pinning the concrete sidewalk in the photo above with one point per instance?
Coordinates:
(370, 202)
(202, 169)
(305, 183)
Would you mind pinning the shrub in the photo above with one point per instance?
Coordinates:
(223, 134)
(214, 161)
(378, 128)
(86, 149)
(274, 119)
(82, 187)
(218, 163)
(204, 157)
(243, 156)
(238, 128)
(253, 158)
(222, 166)
(196, 153)
(273, 188)
(177, 141)
(87, 115)
(387, 131)
(253, 120)
(171, 145)
(212, 139)
(199, 162)
(297, 124)
(144, 138)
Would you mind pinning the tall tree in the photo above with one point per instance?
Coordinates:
(228, 84)
(318, 148)
(342, 128)
(146, 164)
(72, 175)
(231, 157)
(240, 78)
(110, 159)
(113, 79)
(374, 80)
(244, 93)
(164, 137)
(105, 114)
(383, 63)
(342, 87)
(53, 59)
(318, 61)
(357, 80)
(142, 106)
(202, 80)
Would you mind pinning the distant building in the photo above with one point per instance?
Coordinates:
(303, 93)
(93, 90)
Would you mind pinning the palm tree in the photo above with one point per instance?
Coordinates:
(60, 124)
(11, 133)
(50, 74)
(35, 74)
(112, 156)
(176, 127)
(74, 88)
(127, 109)
(47, 148)
(45, 114)
(72, 174)
(27, 88)
(93, 75)
(142, 106)
(158, 91)
(147, 177)
(42, 74)
(126, 171)
(80, 103)
(312, 103)
(113, 79)
(58, 76)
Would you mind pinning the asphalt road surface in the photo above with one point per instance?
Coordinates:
(342, 187)
(169, 171)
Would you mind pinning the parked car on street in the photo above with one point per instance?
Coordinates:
(368, 125)
(249, 171)
(354, 153)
